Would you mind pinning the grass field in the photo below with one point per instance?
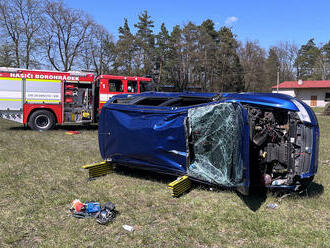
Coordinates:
(40, 176)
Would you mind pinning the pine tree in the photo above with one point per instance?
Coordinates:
(252, 58)
(174, 62)
(229, 68)
(161, 55)
(272, 66)
(306, 61)
(324, 61)
(124, 50)
(145, 43)
(191, 55)
(208, 41)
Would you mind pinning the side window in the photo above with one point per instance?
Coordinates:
(115, 85)
(132, 86)
(327, 97)
(145, 86)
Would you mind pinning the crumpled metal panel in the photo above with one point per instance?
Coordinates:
(149, 139)
(216, 143)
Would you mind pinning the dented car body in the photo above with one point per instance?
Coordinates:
(231, 139)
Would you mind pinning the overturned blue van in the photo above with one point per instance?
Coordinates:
(230, 139)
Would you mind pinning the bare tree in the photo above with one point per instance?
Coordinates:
(66, 32)
(22, 20)
(11, 25)
(287, 53)
(253, 59)
(31, 14)
(7, 57)
(98, 50)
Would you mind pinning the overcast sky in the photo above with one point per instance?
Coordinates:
(268, 21)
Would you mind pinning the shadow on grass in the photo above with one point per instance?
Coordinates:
(77, 127)
(310, 191)
(257, 196)
(58, 127)
(313, 190)
(164, 178)
(18, 128)
(253, 201)
(144, 174)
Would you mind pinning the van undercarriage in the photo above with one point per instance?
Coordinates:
(280, 146)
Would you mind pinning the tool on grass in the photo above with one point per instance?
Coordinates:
(102, 214)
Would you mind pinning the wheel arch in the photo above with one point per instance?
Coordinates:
(45, 109)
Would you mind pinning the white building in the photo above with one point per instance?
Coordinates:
(313, 93)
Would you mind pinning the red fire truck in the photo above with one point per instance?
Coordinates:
(42, 98)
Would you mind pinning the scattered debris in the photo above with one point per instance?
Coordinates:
(279, 181)
(102, 214)
(266, 179)
(284, 196)
(77, 205)
(72, 132)
(106, 214)
(128, 228)
(272, 205)
(326, 162)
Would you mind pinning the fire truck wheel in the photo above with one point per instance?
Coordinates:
(42, 120)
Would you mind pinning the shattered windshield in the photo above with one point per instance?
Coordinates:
(215, 140)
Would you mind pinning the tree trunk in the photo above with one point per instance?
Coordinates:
(159, 76)
(18, 64)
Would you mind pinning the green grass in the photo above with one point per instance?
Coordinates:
(40, 176)
(318, 110)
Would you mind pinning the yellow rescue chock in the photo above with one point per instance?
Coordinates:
(179, 186)
(98, 169)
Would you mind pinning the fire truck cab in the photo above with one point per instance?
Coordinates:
(41, 99)
(110, 85)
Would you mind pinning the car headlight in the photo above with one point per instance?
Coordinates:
(302, 113)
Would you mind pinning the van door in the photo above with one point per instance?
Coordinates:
(218, 145)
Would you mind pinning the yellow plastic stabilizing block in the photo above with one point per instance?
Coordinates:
(98, 169)
(179, 186)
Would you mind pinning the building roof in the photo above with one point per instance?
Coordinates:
(304, 84)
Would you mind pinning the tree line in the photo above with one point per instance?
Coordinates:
(49, 35)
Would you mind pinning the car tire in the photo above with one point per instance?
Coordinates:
(42, 120)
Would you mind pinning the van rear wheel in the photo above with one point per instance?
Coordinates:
(42, 120)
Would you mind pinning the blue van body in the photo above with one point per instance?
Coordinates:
(151, 131)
